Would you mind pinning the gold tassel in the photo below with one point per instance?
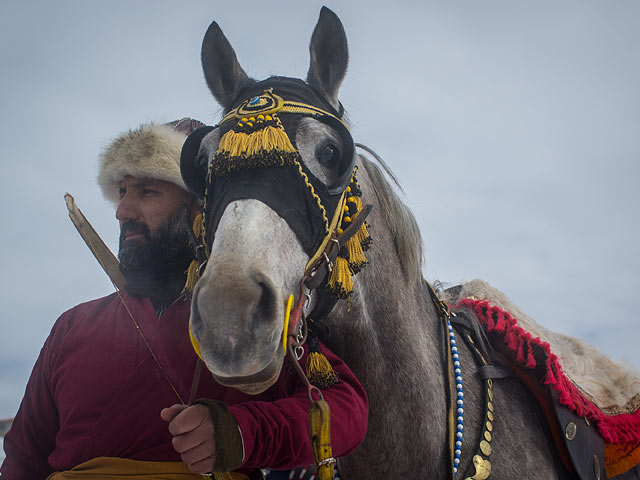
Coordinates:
(197, 225)
(358, 201)
(319, 371)
(192, 277)
(340, 282)
(262, 142)
(278, 138)
(233, 143)
(192, 271)
(357, 260)
(362, 236)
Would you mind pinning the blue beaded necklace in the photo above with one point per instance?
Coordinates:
(459, 400)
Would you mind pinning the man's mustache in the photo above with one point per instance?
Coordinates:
(131, 227)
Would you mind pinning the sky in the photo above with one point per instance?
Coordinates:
(513, 127)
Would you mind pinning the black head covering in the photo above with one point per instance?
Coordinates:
(283, 188)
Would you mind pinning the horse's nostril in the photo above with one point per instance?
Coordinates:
(266, 306)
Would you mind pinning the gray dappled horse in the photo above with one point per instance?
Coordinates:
(389, 333)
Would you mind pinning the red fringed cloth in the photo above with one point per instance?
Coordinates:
(621, 432)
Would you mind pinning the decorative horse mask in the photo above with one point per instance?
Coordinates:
(257, 158)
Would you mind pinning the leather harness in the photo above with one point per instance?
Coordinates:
(578, 443)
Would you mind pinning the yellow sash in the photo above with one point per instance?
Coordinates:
(111, 468)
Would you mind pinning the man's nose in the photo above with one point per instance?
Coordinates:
(126, 209)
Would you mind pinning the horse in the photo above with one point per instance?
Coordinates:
(388, 329)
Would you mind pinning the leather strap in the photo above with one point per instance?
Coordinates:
(583, 442)
(492, 371)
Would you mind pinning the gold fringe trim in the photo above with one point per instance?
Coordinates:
(319, 371)
(233, 143)
(340, 282)
(254, 143)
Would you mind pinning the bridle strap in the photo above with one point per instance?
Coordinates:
(318, 270)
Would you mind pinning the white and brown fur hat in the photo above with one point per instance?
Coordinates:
(149, 151)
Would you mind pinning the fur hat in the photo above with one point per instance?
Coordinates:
(150, 151)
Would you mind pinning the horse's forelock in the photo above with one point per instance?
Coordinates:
(402, 223)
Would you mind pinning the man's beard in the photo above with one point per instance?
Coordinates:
(162, 255)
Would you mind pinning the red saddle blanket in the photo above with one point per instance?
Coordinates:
(529, 348)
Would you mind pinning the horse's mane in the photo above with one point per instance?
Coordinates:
(404, 228)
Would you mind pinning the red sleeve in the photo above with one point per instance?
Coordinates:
(32, 436)
(276, 434)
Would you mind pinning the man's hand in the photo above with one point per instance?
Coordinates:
(192, 430)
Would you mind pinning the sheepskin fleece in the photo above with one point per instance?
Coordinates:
(612, 386)
(149, 151)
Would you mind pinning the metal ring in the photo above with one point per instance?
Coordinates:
(307, 301)
(329, 262)
(327, 461)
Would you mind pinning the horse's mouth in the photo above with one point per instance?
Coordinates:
(256, 383)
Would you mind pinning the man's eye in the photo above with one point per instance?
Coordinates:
(148, 191)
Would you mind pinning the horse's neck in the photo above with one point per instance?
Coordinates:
(392, 340)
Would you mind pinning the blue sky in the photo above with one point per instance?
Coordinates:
(512, 126)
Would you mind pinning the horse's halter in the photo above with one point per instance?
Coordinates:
(257, 158)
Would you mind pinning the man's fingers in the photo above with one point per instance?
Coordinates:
(188, 441)
(193, 436)
(200, 453)
(203, 467)
(189, 419)
(168, 414)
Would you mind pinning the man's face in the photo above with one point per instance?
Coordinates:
(154, 226)
(147, 201)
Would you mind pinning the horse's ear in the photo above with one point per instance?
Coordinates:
(224, 75)
(329, 55)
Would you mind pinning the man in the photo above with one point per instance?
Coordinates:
(108, 394)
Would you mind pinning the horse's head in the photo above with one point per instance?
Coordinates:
(272, 175)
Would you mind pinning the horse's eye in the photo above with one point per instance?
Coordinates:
(329, 156)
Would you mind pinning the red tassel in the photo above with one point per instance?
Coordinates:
(549, 379)
(520, 356)
(565, 399)
(531, 361)
(490, 323)
(512, 341)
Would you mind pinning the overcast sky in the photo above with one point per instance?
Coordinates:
(514, 128)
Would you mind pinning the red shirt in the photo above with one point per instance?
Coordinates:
(95, 391)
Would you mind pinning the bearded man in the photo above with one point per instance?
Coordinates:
(112, 392)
